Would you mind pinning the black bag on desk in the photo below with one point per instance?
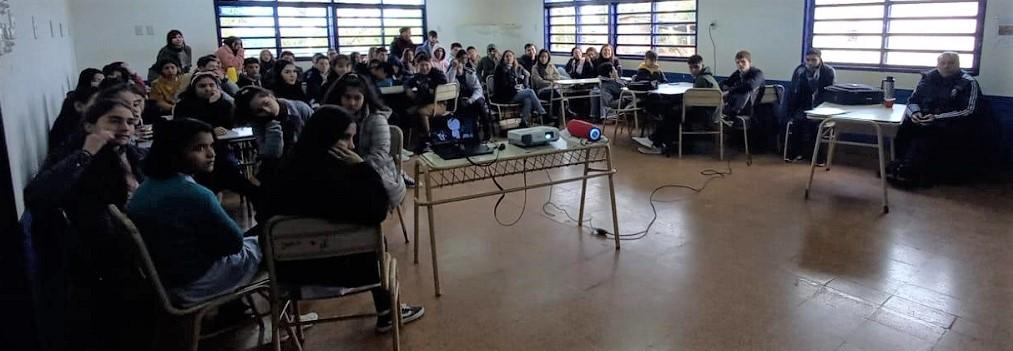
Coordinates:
(854, 94)
(646, 85)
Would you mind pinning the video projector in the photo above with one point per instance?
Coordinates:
(534, 136)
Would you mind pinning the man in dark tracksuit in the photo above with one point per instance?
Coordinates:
(807, 91)
(943, 136)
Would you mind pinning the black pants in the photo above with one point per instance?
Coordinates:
(478, 111)
(950, 150)
(347, 271)
(803, 135)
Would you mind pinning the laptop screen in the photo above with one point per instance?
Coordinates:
(452, 130)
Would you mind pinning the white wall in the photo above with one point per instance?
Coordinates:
(34, 79)
(106, 29)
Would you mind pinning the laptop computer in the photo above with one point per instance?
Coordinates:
(454, 138)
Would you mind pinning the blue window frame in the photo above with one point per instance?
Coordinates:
(630, 26)
(895, 35)
(308, 27)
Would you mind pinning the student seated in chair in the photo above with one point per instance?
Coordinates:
(97, 167)
(579, 66)
(169, 84)
(340, 65)
(665, 134)
(287, 84)
(487, 66)
(382, 73)
(251, 73)
(370, 116)
(611, 86)
(471, 98)
(198, 249)
(325, 178)
(738, 89)
(421, 89)
(947, 134)
(649, 70)
(808, 84)
(608, 55)
(316, 76)
(511, 87)
(210, 63)
(530, 56)
(276, 123)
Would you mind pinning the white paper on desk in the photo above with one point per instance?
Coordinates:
(826, 111)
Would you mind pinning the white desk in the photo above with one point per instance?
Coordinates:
(434, 172)
(670, 89)
(237, 134)
(880, 118)
(560, 84)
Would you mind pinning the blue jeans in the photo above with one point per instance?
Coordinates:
(225, 275)
(529, 103)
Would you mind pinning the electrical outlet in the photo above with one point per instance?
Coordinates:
(138, 30)
(714, 24)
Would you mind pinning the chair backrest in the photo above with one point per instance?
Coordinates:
(702, 97)
(446, 92)
(396, 145)
(488, 88)
(774, 98)
(123, 225)
(294, 238)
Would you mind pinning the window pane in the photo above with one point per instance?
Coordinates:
(403, 22)
(245, 11)
(864, 57)
(676, 6)
(357, 12)
(677, 17)
(304, 32)
(632, 50)
(252, 32)
(302, 22)
(857, 27)
(360, 41)
(563, 11)
(389, 13)
(634, 28)
(562, 20)
(258, 43)
(634, 39)
(563, 38)
(594, 39)
(353, 31)
(634, 7)
(350, 49)
(956, 26)
(952, 9)
(563, 29)
(847, 41)
(638, 18)
(560, 47)
(838, 2)
(849, 12)
(404, 2)
(593, 10)
(298, 42)
(359, 22)
(308, 52)
(923, 59)
(303, 11)
(677, 29)
(681, 40)
(936, 42)
(594, 19)
(247, 22)
(676, 52)
(594, 29)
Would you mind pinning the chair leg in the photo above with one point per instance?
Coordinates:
(297, 315)
(745, 138)
(275, 324)
(680, 140)
(404, 229)
(787, 132)
(195, 329)
(833, 146)
(721, 141)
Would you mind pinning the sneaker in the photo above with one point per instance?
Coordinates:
(649, 150)
(409, 314)
(644, 141)
(408, 180)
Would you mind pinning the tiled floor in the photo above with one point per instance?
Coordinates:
(745, 265)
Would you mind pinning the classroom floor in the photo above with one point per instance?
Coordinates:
(745, 265)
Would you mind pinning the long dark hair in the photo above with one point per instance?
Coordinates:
(84, 79)
(538, 62)
(353, 81)
(172, 34)
(170, 144)
(327, 125)
(242, 112)
(283, 89)
(105, 175)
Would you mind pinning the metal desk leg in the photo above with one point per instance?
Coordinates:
(418, 183)
(612, 195)
(432, 233)
(882, 165)
(816, 151)
(583, 188)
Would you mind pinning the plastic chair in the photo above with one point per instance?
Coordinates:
(196, 312)
(703, 98)
(292, 238)
(396, 147)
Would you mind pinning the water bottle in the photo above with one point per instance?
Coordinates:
(887, 87)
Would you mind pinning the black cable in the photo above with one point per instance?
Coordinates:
(495, 210)
(714, 47)
(711, 174)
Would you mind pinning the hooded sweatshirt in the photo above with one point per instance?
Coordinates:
(705, 79)
(651, 72)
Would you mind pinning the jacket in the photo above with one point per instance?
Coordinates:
(958, 96)
(705, 79)
(486, 67)
(614, 61)
(165, 90)
(807, 89)
(327, 188)
(650, 73)
(184, 56)
(541, 81)
(314, 84)
(579, 71)
(290, 92)
(470, 87)
(398, 46)
(505, 81)
(245, 81)
(526, 61)
(277, 136)
(230, 59)
(610, 91)
(185, 228)
(217, 114)
(425, 85)
(740, 87)
(374, 146)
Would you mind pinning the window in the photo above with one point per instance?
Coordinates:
(896, 35)
(308, 27)
(631, 27)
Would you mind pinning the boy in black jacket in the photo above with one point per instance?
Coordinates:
(421, 89)
(739, 87)
(808, 84)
